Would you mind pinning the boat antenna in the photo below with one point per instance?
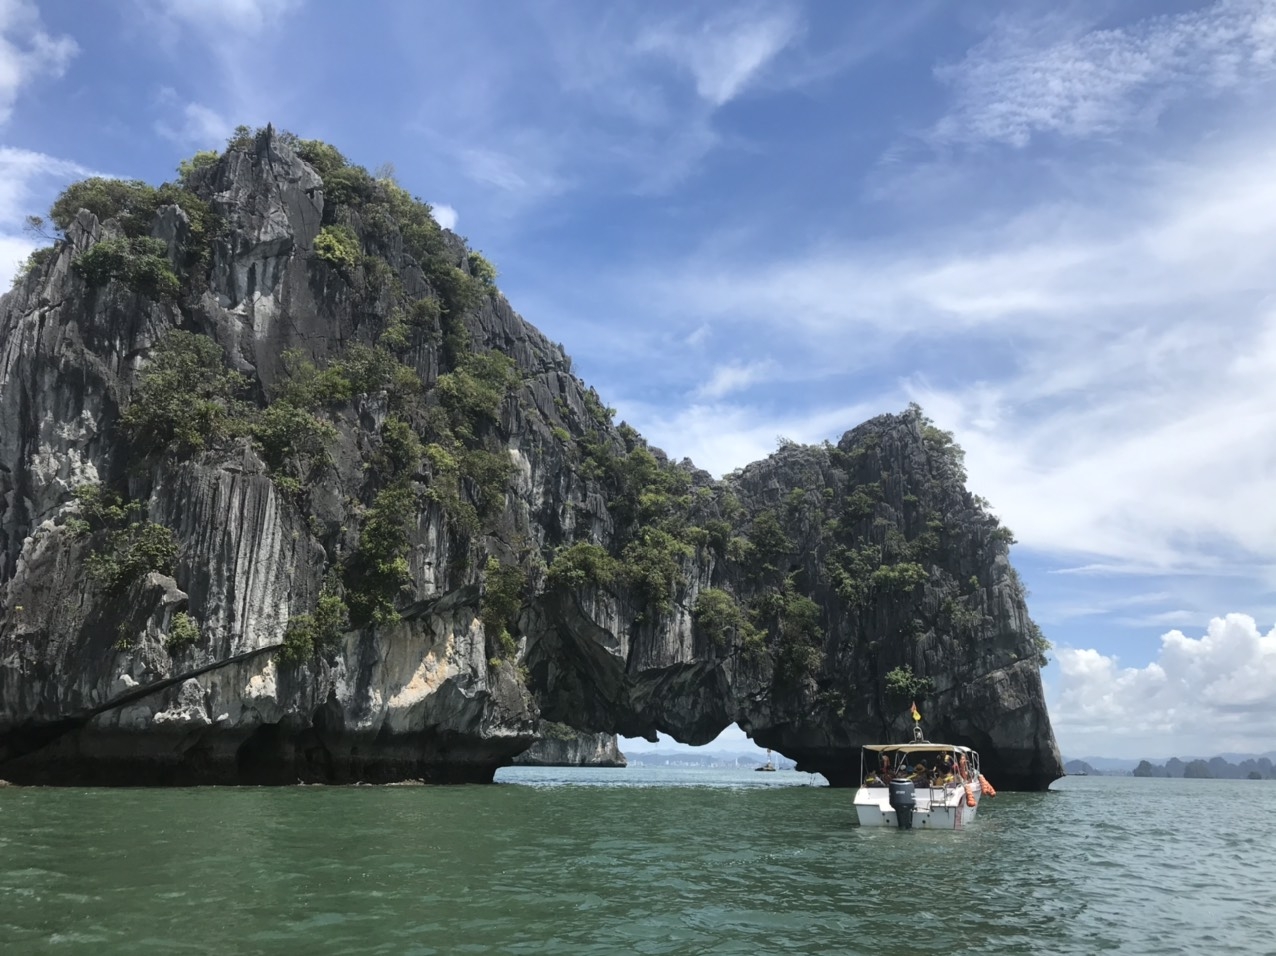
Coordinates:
(918, 736)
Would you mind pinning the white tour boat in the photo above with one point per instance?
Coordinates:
(924, 784)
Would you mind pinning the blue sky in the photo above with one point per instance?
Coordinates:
(1052, 225)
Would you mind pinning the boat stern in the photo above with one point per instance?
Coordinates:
(948, 808)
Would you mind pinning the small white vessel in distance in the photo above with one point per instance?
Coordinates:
(920, 784)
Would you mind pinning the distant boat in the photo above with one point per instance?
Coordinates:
(768, 765)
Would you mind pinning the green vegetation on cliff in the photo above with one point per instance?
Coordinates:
(367, 462)
(188, 401)
(851, 541)
(186, 398)
(321, 631)
(123, 547)
(140, 263)
(503, 592)
(902, 685)
(721, 617)
(183, 631)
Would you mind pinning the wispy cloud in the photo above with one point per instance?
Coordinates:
(524, 174)
(722, 436)
(628, 98)
(1108, 363)
(219, 20)
(1197, 231)
(23, 173)
(196, 125)
(235, 84)
(27, 51)
(733, 377)
(1200, 695)
(1026, 79)
(727, 52)
(28, 181)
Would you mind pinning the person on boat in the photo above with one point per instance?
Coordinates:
(921, 774)
(884, 772)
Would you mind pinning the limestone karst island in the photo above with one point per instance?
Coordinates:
(289, 492)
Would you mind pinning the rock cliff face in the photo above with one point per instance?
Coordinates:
(559, 746)
(289, 492)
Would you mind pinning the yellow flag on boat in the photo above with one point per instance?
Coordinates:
(916, 714)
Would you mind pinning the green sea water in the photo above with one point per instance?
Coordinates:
(635, 861)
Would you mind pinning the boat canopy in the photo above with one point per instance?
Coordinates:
(918, 748)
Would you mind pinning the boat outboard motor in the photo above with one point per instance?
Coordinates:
(903, 802)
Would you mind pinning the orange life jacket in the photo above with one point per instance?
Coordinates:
(970, 795)
(989, 790)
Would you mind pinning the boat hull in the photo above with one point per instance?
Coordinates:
(937, 809)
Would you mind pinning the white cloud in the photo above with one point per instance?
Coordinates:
(215, 17)
(1025, 79)
(22, 174)
(249, 78)
(27, 51)
(623, 98)
(14, 250)
(1200, 696)
(28, 181)
(529, 173)
(725, 54)
(1198, 231)
(199, 126)
(1156, 452)
(1108, 363)
(733, 377)
(722, 436)
(444, 215)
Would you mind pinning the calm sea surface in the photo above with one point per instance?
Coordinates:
(635, 861)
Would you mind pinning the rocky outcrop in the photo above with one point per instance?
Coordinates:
(504, 552)
(557, 745)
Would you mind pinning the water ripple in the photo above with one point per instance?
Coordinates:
(632, 861)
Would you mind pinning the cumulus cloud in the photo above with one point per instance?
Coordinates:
(1025, 79)
(27, 51)
(444, 215)
(1200, 696)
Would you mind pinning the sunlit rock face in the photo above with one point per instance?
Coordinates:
(558, 745)
(808, 597)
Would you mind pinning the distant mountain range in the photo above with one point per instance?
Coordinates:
(678, 758)
(1229, 765)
